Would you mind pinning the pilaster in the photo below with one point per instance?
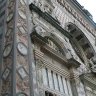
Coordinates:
(77, 85)
(18, 60)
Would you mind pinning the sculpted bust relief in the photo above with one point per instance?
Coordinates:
(46, 6)
(40, 31)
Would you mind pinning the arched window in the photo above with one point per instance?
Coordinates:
(81, 40)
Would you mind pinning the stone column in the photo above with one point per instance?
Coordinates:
(74, 81)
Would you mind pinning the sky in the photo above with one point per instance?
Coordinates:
(90, 5)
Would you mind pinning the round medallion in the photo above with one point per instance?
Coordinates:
(7, 50)
(22, 48)
(9, 17)
(21, 94)
(22, 14)
(9, 32)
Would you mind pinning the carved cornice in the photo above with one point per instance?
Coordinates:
(77, 15)
(49, 19)
(61, 58)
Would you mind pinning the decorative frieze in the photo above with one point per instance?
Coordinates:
(76, 15)
(53, 67)
(38, 53)
(46, 6)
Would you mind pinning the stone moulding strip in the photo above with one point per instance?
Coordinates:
(56, 69)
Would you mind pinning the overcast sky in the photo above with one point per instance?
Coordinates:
(90, 5)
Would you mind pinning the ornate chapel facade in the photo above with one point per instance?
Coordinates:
(47, 48)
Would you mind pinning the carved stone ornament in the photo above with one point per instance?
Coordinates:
(22, 14)
(40, 31)
(46, 6)
(22, 72)
(52, 45)
(7, 50)
(9, 32)
(94, 59)
(6, 73)
(23, 2)
(10, 16)
(10, 3)
(21, 29)
(22, 48)
(93, 68)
